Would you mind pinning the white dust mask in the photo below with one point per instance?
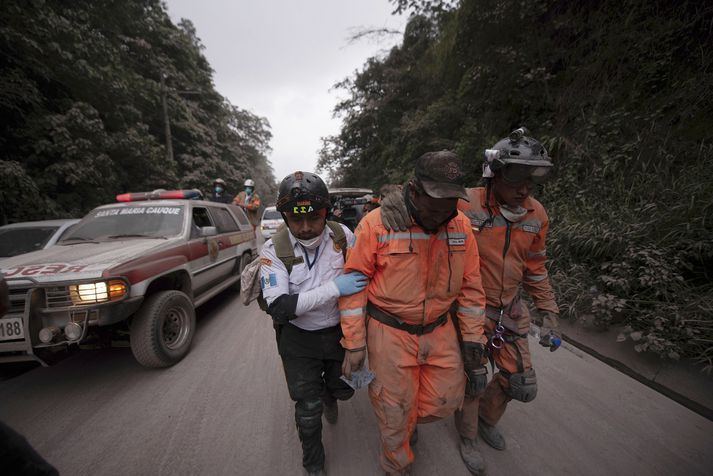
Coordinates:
(311, 243)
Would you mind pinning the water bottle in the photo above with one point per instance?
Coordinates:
(553, 342)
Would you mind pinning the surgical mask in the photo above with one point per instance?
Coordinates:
(513, 215)
(249, 190)
(218, 189)
(311, 243)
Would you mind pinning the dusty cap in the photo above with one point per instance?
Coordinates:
(441, 175)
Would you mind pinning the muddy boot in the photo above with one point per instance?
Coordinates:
(414, 437)
(331, 409)
(471, 456)
(491, 435)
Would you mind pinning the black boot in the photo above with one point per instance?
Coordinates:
(331, 409)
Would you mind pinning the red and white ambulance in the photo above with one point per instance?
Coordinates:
(138, 267)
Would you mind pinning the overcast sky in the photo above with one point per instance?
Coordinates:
(280, 58)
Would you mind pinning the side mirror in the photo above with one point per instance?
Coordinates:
(209, 231)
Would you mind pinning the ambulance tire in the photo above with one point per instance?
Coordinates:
(162, 330)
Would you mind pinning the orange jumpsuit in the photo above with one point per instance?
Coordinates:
(252, 206)
(512, 255)
(415, 276)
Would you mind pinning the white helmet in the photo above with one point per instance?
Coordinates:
(249, 183)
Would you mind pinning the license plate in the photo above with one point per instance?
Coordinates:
(11, 329)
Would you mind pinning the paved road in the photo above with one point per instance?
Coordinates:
(225, 410)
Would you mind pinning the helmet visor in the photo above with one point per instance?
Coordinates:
(518, 173)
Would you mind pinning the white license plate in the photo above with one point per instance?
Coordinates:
(11, 328)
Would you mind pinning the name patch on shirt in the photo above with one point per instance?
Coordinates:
(456, 241)
(269, 281)
(530, 228)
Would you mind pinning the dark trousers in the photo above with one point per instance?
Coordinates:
(313, 364)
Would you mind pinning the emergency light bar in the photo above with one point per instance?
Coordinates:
(160, 195)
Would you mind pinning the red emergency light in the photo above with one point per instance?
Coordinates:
(160, 195)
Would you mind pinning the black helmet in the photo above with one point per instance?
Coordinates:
(302, 192)
(518, 157)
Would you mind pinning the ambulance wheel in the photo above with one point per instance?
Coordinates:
(162, 330)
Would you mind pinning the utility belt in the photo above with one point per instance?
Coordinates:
(393, 321)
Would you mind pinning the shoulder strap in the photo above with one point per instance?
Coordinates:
(283, 248)
(339, 237)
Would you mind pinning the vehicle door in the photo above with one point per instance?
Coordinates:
(204, 251)
(228, 240)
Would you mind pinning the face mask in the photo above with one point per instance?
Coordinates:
(249, 190)
(218, 189)
(513, 215)
(313, 243)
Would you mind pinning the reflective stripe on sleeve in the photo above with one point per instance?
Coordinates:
(535, 254)
(352, 312)
(472, 311)
(535, 278)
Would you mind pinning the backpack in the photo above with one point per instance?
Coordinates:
(250, 288)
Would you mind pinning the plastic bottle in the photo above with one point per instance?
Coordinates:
(553, 341)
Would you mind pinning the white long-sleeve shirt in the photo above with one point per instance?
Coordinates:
(317, 306)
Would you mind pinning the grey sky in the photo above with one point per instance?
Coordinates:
(279, 59)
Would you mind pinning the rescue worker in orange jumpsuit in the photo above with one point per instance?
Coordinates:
(510, 227)
(249, 200)
(402, 318)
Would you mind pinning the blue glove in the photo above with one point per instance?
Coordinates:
(351, 283)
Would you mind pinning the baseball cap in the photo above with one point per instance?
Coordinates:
(441, 175)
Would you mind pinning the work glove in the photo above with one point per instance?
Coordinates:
(351, 283)
(394, 214)
(550, 335)
(475, 372)
(353, 361)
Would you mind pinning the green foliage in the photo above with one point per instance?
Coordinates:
(621, 94)
(80, 109)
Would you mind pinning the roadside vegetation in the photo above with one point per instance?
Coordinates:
(81, 115)
(621, 92)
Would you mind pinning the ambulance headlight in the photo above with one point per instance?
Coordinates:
(101, 291)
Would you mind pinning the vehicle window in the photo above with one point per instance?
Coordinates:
(141, 221)
(16, 241)
(242, 218)
(66, 232)
(272, 215)
(224, 220)
(199, 219)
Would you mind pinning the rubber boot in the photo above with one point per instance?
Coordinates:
(331, 409)
(471, 456)
(316, 472)
(491, 435)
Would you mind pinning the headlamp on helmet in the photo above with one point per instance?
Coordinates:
(518, 158)
(302, 193)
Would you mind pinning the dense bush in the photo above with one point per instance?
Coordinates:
(81, 115)
(620, 92)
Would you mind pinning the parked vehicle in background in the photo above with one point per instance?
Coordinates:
(21, 238)
(271, 221)
(348, 205)
(138, 268)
